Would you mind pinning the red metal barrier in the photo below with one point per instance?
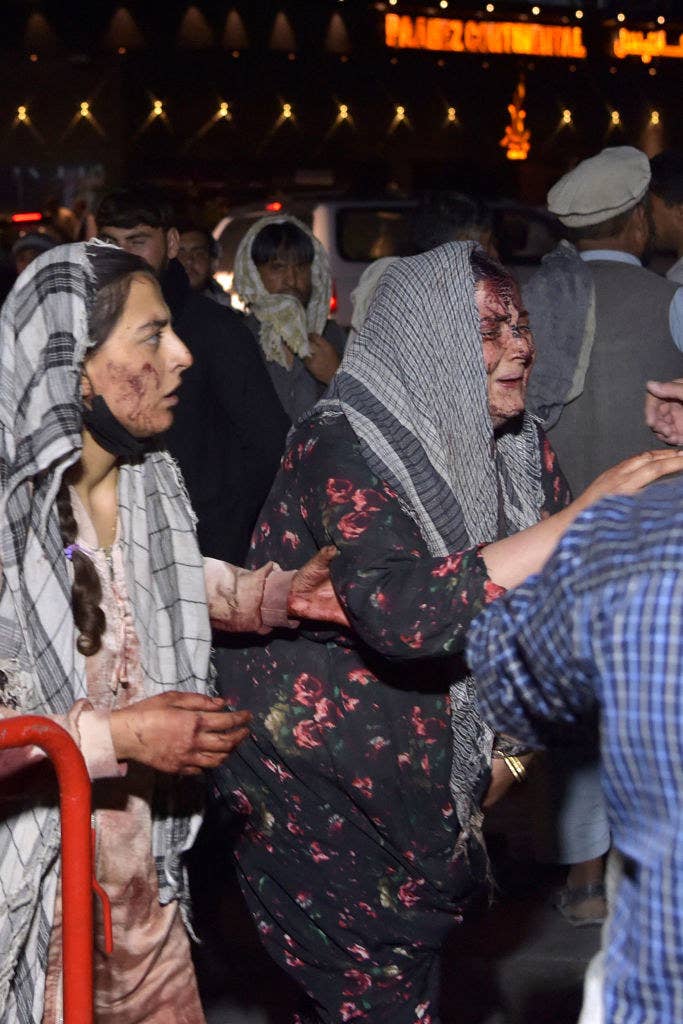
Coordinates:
(77, 910)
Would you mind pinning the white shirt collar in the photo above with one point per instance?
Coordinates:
(616, 255)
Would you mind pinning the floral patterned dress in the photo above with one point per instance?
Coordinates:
(348, 856)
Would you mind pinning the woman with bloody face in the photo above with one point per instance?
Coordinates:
(104, 627)
(362, 783)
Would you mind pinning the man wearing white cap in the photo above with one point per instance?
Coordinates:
(603, 326)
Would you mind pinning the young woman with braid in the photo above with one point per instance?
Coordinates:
(104, 627)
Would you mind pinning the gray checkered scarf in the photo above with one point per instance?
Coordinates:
(43, 341)
(413, 386)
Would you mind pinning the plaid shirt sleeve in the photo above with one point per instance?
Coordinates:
(604, 622)
(532, 665)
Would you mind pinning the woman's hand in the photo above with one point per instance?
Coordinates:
(312, 595)
(180, 733)
(664, 410)
(511, 560)
(501, 779)
(630, 476)
(234, 596)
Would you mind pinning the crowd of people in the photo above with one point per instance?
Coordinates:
(344, 589)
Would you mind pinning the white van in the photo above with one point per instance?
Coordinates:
(354, 232)
(357, 231)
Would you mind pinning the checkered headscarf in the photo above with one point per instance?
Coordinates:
(43, 341)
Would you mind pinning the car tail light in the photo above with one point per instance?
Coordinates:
(26, 218)
(274, 207)
(333, 299)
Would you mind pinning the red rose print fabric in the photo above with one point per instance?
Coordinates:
(347, 854)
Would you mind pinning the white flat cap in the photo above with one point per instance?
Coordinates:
(601, 187)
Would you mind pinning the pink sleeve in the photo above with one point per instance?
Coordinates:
(241, 601)
(97, 745)
(275, 598)
(88, 728)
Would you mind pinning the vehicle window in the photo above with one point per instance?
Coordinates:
(365, 233)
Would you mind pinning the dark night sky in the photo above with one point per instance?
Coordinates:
(180, 58)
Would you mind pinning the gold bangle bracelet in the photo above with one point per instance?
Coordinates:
(516, 767)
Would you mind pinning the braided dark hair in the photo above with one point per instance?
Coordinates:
(114, 270)
(86, 590)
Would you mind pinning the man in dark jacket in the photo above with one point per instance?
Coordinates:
(229, 428)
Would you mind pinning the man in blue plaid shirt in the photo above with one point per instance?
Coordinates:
(602, 627)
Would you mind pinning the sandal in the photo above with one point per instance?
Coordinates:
(568, 901)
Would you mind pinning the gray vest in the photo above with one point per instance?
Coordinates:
(633, 344)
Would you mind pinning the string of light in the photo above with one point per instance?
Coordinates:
(399, 116)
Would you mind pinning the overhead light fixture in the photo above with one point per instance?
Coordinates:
(566, 116)
(616, 118)
(654, 117)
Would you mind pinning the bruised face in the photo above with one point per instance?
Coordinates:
(508, 348)
(138, 369)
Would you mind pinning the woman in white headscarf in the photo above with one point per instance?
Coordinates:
(282, 275)
(104, 627)
(361, 785)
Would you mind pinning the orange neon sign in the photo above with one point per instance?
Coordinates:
(517, 138)
(645, 45)
(402, 31)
